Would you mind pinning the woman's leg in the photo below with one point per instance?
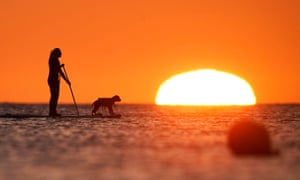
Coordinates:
(54, 90)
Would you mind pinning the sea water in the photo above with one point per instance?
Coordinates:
(148, 142)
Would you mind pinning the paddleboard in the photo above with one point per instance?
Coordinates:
(22, 116)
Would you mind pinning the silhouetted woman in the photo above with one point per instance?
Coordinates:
(54, 80)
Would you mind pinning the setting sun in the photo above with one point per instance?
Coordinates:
(205, 87)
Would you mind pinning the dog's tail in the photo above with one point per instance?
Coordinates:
(93, 107)
(93, 104)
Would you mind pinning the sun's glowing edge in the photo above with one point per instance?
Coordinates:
(165, 97)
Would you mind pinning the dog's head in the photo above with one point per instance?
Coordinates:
(116, 98)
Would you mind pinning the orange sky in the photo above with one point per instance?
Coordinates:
(130, 47)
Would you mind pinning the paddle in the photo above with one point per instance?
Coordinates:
(74, 101)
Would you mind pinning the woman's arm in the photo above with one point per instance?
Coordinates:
(63, 74)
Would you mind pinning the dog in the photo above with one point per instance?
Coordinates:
(105, 103)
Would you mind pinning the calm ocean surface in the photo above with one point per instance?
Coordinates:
(148, 142)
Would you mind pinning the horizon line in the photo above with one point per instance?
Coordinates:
(148, 103)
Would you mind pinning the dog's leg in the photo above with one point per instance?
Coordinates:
(110, 109)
